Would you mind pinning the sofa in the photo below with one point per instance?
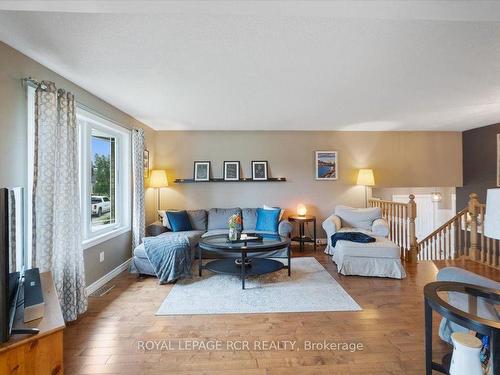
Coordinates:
(381, 258)
(206, 223)
(461, 301)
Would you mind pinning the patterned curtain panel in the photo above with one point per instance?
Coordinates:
(138, 215)
(56, 197)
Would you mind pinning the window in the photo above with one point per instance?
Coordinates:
(105, 178)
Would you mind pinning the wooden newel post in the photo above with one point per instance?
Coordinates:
(473, 208)
(412, 214)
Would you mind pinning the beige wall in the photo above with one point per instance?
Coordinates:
(399, 159)
(14, 66)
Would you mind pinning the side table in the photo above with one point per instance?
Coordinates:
(302, 238)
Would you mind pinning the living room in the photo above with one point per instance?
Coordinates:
(249, 187)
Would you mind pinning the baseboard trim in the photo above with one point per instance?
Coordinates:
(108, 277)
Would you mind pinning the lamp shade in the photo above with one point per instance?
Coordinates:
(301, 210)
(365, 177)
(492, 217)
(158, 178)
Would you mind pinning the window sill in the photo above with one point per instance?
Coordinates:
(91, 242)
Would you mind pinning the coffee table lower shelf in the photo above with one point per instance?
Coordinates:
(258, 266)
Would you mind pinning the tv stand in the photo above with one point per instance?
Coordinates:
(36, 347)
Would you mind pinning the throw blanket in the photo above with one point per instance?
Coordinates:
(351, 236)
(170, 257)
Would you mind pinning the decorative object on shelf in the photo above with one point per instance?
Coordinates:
(465, 359)
(259, 170)
(301, 210)
(366, 178)
(234, 227)
(202, 171)
(146, 163)
(231, 171)
(158, 180)
(326, 165)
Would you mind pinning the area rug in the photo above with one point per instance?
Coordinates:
(310, 288)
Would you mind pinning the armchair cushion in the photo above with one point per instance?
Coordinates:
(362, 218)
(380, 227)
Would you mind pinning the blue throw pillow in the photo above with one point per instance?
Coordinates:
(267, 220)
(179, 221)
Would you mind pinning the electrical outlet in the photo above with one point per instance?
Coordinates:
(321, 241)
(101, 256)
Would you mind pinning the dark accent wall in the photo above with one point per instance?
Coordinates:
(480, 163)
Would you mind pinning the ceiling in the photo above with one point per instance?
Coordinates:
(315, 65)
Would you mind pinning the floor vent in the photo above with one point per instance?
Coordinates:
(103, 290)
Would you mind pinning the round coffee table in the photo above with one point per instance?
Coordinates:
(244, 266)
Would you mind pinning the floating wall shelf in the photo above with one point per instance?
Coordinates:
(191, 181)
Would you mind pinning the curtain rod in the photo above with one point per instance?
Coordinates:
(29, 81)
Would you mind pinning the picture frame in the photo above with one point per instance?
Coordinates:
(231, 171)
(326, 165)
(201, 171)
(259, 170)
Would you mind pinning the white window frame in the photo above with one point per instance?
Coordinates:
(88, 121)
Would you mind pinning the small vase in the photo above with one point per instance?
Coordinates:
(233, 234)
(465, 359)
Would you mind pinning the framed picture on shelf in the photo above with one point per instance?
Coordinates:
(259, 170)
(202, 171)
(231, 171)
(146, 163)
(326, 165)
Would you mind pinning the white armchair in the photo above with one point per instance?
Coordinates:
(349, 219)
(380, 258)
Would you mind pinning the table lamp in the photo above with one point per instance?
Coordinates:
(301, 210)
(492, 216)
(365, 177)
(158, 180)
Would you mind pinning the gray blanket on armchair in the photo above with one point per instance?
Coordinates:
(170, 257)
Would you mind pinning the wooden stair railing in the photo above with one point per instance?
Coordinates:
(401, 218)
(462, 237)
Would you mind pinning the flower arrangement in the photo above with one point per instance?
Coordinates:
(234, 226)
(234, 221)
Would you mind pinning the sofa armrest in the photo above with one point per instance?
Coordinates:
(155, 229)
(285, 228)
(380, 227)
(331, 225)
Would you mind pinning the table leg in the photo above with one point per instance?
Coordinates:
(289, 262)
(301, 235)
(428, 339)
(243, 270)
(495, 352)
(200, 261)
(314, 231)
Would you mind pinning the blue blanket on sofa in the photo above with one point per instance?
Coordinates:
(170, 257)
(352, 236)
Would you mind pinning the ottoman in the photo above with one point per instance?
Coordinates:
(380, 258)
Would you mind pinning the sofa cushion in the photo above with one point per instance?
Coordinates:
(192, 235)
(358, 217)
(267, 220)
(179, 221)
(218, 217)
(249, 216)
(198, 219)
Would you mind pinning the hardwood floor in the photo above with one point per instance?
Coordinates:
(390, 328)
